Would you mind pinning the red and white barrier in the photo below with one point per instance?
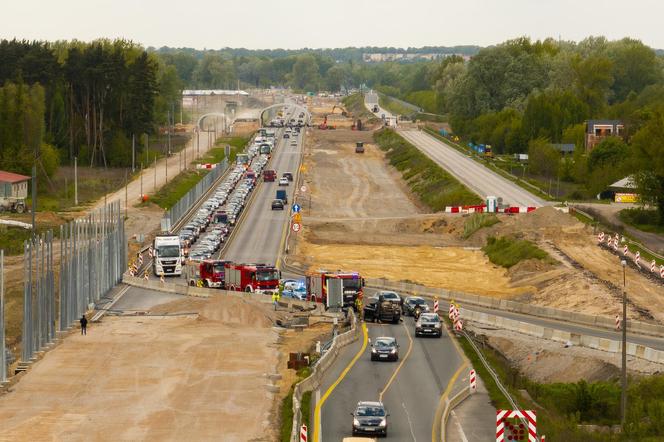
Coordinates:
(161, 277)
(150, 252)
(303, 433)
(653, 266)
(451, 312)
(146, 276)
(618, 322)
(637, 258)
(600, 237)
(473, 381)
(206, 166)
(458, 325)
(140, 259)
(661, 271)
(625, 250)
(506, 430)
(435, 305)
(482, 209)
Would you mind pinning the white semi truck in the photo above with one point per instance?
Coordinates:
(168, 255)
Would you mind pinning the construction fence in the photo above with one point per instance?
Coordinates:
(93, 256)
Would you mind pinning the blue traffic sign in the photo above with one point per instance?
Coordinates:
(296, 208)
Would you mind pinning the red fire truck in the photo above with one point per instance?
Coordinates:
(317, 286)
(208, 273)
(259, 278)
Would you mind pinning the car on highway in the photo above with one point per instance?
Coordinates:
(283, 181)
(288, 176)
(381, 309)
(286, 135)
(277, 205)
(384, 349)
(429, 324)
(391, 296)
(293, 143)
(370, 418)
(412, 302)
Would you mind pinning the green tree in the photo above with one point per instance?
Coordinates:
(543, 159)
(305, 74)
(593, 80)
(648, 152)
(635, 66)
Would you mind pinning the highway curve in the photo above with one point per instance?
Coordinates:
(412, 395)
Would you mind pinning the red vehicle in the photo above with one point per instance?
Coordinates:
(269, 175)
(209, 273)
(317, 286)
(250, 175)
(259, 278)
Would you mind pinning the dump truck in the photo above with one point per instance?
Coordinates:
(352, 283)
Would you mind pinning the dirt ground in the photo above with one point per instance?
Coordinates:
(542, 360)
(154, 378)
(362, 217)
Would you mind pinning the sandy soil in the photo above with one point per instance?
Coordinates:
(548, 361)
(153, 378)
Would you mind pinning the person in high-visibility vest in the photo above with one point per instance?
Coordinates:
(275, 299)
(358, 307)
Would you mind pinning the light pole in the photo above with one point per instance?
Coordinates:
(623, 377)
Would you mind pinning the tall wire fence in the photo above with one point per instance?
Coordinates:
(93, 255)
(3, 349)
(183, 205)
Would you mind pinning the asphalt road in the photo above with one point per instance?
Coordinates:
(475, 176)
(410, 388)
(259, 236)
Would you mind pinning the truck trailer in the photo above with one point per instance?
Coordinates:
(168, 255)
(317, 286)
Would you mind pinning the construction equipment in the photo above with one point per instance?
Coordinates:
(12, 204)
(357, 125)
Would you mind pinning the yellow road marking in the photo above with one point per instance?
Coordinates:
(435, 430)
(343, 374)
(403, 361)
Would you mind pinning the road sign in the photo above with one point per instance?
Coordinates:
(297, 218)
(303, 189)
(296, 227)
(296, 208)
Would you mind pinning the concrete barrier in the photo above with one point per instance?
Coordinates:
(636, 327)
(594, 342)
(450, 404)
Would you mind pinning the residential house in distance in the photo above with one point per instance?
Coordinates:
(597, 130)
(13, 185)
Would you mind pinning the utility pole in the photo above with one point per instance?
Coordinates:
(168, 131)
(155, 173)
(141, 181)
(126, 193)
(76, 181)
(34, 197)
(166, 164)
(133, 153)
(623, 375)
(147, 148)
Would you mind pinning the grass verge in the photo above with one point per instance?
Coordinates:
(394, 106)
(431, 183)
(355, 105)
(642, 219)
(478, 221)
(507, 252)
(286, 409)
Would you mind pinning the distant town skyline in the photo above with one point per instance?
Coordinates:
(295, 24)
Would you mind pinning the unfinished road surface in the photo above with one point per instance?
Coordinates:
(162, 378)
(475, 176)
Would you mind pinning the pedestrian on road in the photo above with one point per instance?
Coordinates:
(84, 325)
(275, 300)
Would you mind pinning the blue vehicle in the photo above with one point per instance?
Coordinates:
(295, 289)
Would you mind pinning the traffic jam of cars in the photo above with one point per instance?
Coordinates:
(209, 228)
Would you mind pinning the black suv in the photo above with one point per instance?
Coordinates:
(370, 418)
(277, 205)
(412, 302)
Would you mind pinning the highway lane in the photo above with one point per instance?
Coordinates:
(649, 341)
(413, 394)
(472, 174)
(259, 236)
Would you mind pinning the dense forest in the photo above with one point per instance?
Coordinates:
(66, 99)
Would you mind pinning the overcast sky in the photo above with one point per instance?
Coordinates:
(256, 24)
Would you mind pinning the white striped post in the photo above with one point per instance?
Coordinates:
(473, 381)
(303, 433)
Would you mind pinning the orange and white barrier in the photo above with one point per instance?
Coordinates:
(618, 322)
(206, 166)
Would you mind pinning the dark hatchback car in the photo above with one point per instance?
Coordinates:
(412, 302)
(384, 349)
(277, 205)
(288, 176)
(370, 418)
(429, 324)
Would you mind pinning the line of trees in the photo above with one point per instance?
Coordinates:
(90, 98)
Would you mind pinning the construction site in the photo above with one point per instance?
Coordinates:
(359, 215)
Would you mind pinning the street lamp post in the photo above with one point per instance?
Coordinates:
(623, 396)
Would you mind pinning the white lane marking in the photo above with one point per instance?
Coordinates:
(459, 428)
(410, 424)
